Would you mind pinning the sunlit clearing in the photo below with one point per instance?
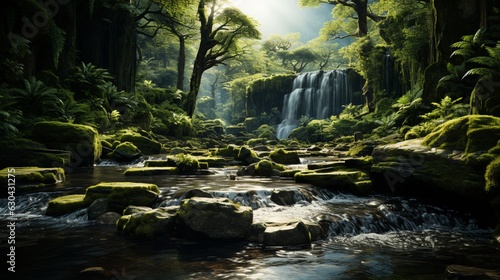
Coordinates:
(284, 16)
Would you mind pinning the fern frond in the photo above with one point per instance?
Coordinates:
(463, 52)
(485, 60)
(483, 72)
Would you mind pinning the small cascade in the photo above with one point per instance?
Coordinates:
(319, 95)
(396, 216)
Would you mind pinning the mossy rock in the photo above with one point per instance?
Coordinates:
(410, 167)
(32, 178)
(81, 140)
(125, 152)
(151, 171)
(492, 178)
(25, 152)
(256, 141)
(67, 204)
(247, 156)
(213, 161)
(268, 168)
(361, 148)
(198, 214)
(123, 194)
(235, 129)
(356, 182)
(146, 145)
(285, 157)
(231, 151)
(155, 223)
(470, 134)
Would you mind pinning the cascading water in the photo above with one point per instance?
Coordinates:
(319, 95)
(372, 237)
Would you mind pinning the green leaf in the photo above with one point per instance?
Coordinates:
(485, 60)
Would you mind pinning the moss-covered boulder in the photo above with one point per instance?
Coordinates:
(235, 129)
(247, 156)
(81, 140)
(151, 171)
(356, 182)
(155, 223)
(216, 218)
(230, 151)
(285, 233)
(125, 152)
(285, 157)
(492, 178)
(268, 168)
(67, 204)
(31, 178)
(26, 152)
(146, 145)
(469, 134)
(412, 166)
(122, 194)
(265, 168)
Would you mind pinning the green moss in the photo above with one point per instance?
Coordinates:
(67, 204)
(266, 167)
(285, 157)
(230, 151)
(81, 140)
(125, 152)
(151, 171)
(146, 145)
(24, 152)
(361, 148)
(256, 141)
(470, 134)
(33, 177)
(246, 153)
(356, 182)
(124, 193)
(213, 161)
(492, 176)
(235, 129)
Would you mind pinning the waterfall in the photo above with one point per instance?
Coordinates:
(319, 95)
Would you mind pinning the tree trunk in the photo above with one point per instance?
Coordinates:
(195, 82)
(199, 62)
(181, 62)
(362, 11)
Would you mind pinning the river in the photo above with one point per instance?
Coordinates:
(373, 237)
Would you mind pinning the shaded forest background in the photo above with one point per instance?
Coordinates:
(172, 67)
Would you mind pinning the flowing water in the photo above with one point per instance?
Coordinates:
(374, 237)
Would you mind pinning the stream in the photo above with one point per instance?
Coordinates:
(373, 237)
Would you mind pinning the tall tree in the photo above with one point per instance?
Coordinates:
(359, 7)
(220, 29)
(175, 17)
